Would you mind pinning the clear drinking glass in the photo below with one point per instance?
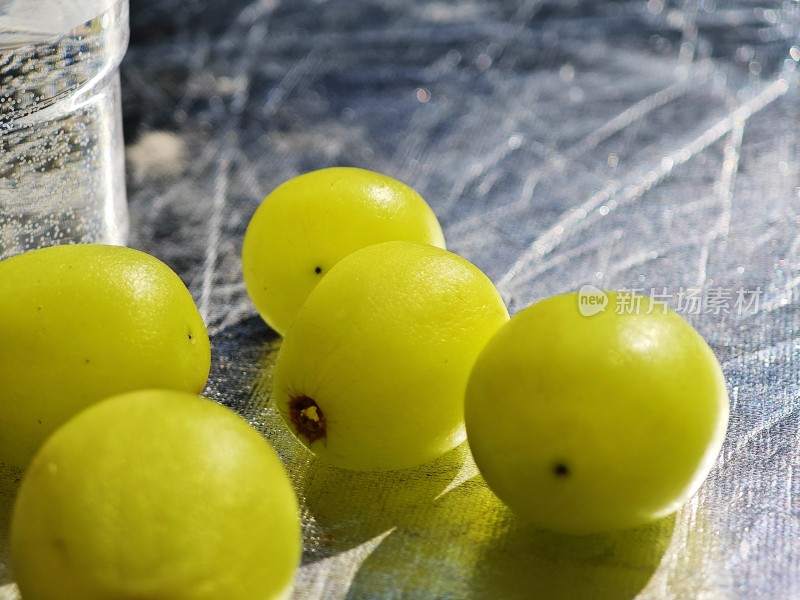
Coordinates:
(62, 169)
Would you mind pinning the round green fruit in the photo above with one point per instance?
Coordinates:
(80, 323)
(372, 373)
(591, 423)
(309, 223)
(155, 494)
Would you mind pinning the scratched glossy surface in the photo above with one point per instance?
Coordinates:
(629, 144)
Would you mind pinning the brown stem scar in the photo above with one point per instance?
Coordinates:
(560, 469)
(307, 418)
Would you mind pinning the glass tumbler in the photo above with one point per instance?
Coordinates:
(62, 169)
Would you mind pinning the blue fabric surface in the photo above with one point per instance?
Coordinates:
(629, 144)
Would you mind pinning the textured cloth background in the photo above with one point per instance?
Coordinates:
(650, 145)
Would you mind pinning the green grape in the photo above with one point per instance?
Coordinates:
(592, 423)
(79, 323)
(372, 373)
(309, 223)
(155, 494)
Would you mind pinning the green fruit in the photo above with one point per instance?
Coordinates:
(79, 323)
(592, 423)
(151, 495)
(309, 223)
(371, 375)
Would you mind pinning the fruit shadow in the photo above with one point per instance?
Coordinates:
(467, 544)
(242, 359)
(342, 509)
(10, 478)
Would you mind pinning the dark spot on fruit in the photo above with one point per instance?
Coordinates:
(560, 469)
(39, 421)
(191, 337)
(318, 270)
(307, 418)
